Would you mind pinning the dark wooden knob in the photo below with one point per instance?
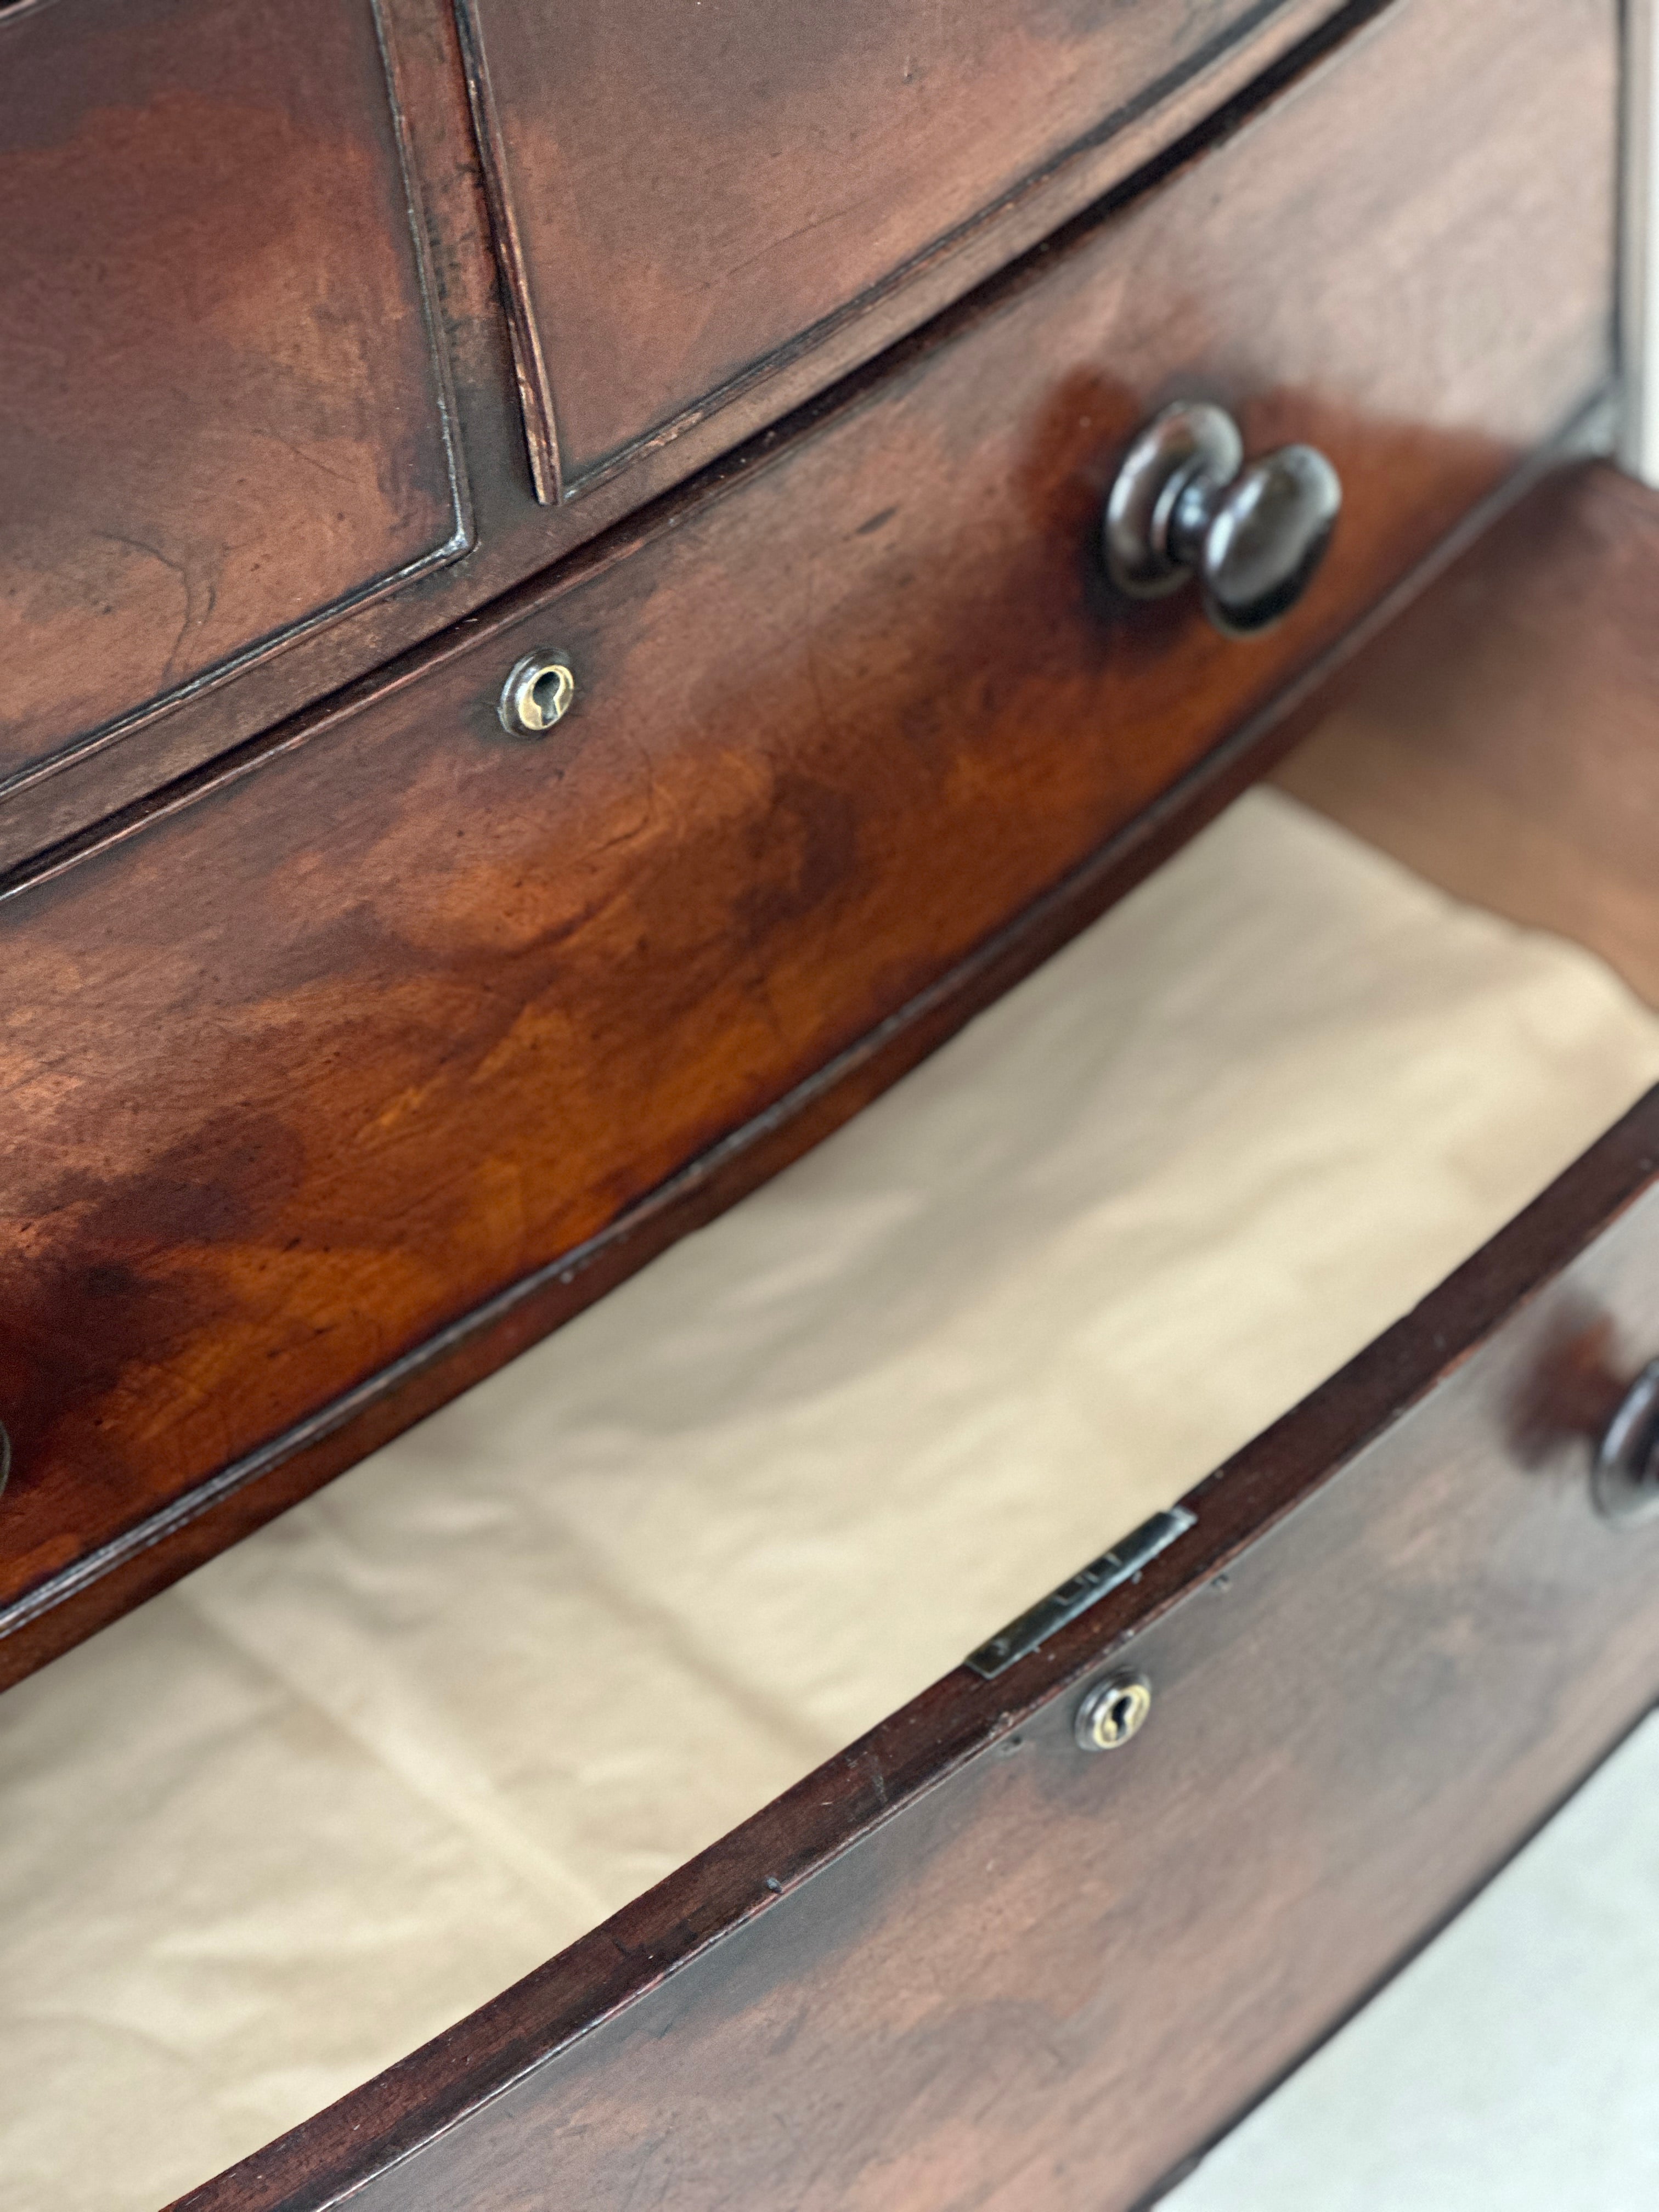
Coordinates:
(1185, 503)
(1626, 1475)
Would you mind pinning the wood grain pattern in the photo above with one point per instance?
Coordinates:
(1573, 44)
(1505, 740)
(312, 1072)
(62, 790)
(221, 412)
(757, 169)
(965, 1964)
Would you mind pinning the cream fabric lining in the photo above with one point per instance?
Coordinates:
(352, 1778)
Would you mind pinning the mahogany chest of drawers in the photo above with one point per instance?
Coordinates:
(557, 640)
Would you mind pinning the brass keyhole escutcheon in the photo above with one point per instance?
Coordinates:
(1113, 1712)
(538, 693)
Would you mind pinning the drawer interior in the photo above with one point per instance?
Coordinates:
(548, 1648)
(354, 1776)
(1502, 740)
(859, 729)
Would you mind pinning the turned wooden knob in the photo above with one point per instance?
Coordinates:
(1625, 1475)
(1185, 503)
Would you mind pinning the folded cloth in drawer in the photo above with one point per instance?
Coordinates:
(353, 1777)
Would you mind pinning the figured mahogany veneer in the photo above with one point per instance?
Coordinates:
(222, 416)
(757, 169)
(332, 1088)
(216, 274)
(966, 1964)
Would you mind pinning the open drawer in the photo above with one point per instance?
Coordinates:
(368, 1059)
(1396, 1635)
(1398, 1629)
(340, 1081)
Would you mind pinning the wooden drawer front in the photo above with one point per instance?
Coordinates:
(683, 193)
(220, 415)
(967, 1963)
(317, 1065)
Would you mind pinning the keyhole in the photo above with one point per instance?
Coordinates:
(1112, 1711)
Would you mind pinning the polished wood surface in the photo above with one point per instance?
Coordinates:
(332, 1087)
(221, 413)
(1505, 740)
(515, 538)
(758, 169)
(512, 537)
(967, 1963)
